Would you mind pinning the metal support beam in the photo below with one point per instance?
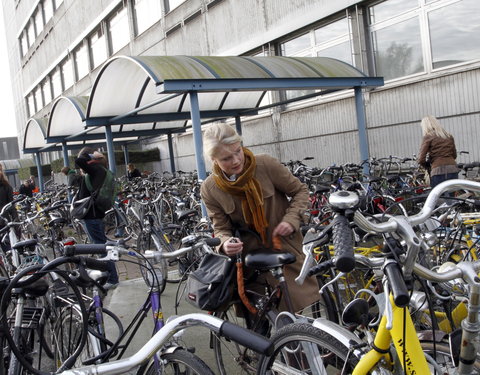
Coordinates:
(110, 149)
(125, 157)
(39, 171)
(66, 163)
(170, 153)
(238, 125)
(362, 127)
(197, 137)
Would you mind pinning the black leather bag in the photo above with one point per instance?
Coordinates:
(211, 284)
(80, 207)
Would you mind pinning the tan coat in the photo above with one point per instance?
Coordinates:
(441, 151)
(277, 183)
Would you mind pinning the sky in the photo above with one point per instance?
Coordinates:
(8, 126)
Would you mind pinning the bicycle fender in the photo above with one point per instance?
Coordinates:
(342, 334)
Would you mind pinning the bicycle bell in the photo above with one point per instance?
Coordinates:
(343, 200)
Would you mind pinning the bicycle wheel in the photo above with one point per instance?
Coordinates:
(442, 356)
(111, 223)
(301, 348)
(179, 362)
(231, 357)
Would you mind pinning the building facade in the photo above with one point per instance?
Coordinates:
(428, 51)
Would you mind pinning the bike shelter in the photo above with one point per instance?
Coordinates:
(134, 96)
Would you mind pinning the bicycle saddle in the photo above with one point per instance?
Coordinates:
(186, 214)
(266, 259)
(36, 289)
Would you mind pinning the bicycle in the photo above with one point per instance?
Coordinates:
(393, 347)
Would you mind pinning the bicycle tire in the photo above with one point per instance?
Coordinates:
(443, 350)
(146, 242)
(180, 361)
(231, 357)
(300, 346)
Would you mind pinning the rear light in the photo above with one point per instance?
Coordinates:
(69, 241)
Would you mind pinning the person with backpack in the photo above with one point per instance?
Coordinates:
(96, 176)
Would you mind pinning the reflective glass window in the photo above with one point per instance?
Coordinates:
(172, 4)
(48, 10)
(333, 41)
(24, 43)
(398, 49)
(31, 33)
(39, 20)
(119, 31)
(47, 93)
(147, 12)
(81, 62)
(294, 46)
(38, 98)
(391, 8)
(56, 83)
(67, 73)
(454, 33)
(98, 48)
(339, 51)
(31, 105)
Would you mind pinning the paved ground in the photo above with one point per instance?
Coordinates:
(129, 296)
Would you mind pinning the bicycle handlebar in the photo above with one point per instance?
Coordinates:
(85, 249)
(343, 244)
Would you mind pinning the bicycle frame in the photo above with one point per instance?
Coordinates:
(404, 337)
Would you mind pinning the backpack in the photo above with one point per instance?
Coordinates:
(104, 197)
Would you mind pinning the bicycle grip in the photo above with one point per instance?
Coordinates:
(245, 337)
(85, 249)
(401, 297)
(213, 241)
(343, 244)
(96, 264)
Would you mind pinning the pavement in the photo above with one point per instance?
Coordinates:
(127, 299)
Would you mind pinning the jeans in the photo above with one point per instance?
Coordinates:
(95, 229)
(435, 180)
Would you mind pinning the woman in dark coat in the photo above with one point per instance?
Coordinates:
(259, 193)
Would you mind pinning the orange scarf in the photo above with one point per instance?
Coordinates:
(248, 188)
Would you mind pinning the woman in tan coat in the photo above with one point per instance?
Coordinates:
(256, 193)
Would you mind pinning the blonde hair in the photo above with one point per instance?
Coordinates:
(430, 125)
(216, 136)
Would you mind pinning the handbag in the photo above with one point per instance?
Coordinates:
(211, 284)
(80, 207)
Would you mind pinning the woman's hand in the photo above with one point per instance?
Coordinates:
(232, 246)
(283, 229)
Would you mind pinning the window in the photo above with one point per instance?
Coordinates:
(98, 48)
(24, 43)
(47, 91)
(296, 46)
(172, 4)
(38, 98)
(390, 8)
(48, 10)
(454, 31)
(56, 83)
(81, 62)
(31, 105)
(333, 41)
(31, 33)
(119, 31)
(38, 17)
(67, 73)
(398, 49)
(147, 12)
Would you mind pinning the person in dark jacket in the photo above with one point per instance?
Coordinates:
(94, 164)
(133, 172)
(26, 188)
(73, 178)
(437, 152)
(6, 196)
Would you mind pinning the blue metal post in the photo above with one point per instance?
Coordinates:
(39, 170)
(238, 125)
(170, 153)
(197, 137)
(125, 157)
(110, 149)
(362, 127)
(65, 155)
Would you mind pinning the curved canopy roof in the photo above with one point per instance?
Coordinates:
(151, 91)
(35, 134)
